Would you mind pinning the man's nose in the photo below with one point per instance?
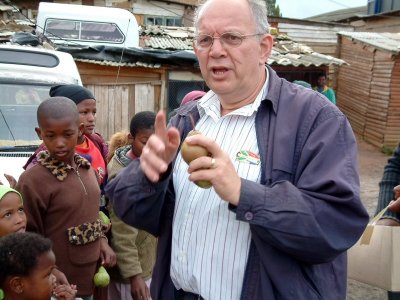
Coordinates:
(217, 46)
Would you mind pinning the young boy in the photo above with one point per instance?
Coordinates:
(61, 195)
(135, 248)
(26, 264)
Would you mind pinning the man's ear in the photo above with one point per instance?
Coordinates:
(266, 44)
(38, 132)
(130, 136)
(17, 284)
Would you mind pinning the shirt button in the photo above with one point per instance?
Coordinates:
(248, 216)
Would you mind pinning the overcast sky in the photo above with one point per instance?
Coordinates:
(299, 9)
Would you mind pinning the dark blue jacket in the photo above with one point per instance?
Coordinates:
(303, 216)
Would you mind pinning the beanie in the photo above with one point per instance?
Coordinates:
(5, 190)
(74, 92)
(192, 96)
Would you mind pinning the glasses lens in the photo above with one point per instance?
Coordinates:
(204, 41)
(232, 38)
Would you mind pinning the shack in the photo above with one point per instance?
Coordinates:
(369, 87)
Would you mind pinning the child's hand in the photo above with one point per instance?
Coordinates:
(11, 181)
(65, 292)
(60, 277)
(107, 255)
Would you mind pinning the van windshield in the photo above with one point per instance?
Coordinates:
(18, 106)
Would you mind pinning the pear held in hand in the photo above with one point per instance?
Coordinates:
(191, 152)
(103, 218)
(101, 278)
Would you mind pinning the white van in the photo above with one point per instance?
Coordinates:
(71, 24)
(26, 76)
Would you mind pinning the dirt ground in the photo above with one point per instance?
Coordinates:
(371, 162)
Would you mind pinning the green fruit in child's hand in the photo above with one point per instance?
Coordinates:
(101, 278)
(103, 218)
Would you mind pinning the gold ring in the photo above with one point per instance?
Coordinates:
(212, 166)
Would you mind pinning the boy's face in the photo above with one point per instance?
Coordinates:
(60, 137)
(41, 283)
(12, 215)
(87, 115)
(140, 140)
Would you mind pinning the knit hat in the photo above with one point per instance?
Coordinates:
(5, 190)
(192, 96)
(74, 92)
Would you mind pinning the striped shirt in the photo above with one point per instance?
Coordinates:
(209, 246)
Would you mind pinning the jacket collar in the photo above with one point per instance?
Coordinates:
(58, 168)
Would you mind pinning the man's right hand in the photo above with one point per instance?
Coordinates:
(160, 149)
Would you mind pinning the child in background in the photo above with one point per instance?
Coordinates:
(13, 220)
(61, 195)
(26, 264)
(12, 214)
(135, 248)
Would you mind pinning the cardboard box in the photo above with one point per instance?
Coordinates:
(375, 258)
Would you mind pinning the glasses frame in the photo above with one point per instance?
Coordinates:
(238, 34)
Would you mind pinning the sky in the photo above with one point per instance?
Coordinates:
(299, 9)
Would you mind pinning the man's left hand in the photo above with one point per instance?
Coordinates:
(218, 169)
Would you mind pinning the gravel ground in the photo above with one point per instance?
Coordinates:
(371, 162)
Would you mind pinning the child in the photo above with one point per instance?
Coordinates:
(26, 264)
(13, 220)
(12, 215)
(61, 194)
(135, 248)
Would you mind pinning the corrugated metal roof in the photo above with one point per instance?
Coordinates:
(119, 64)
(380, 40)
(286, 52)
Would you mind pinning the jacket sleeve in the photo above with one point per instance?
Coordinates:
(390, 178)
(318, 214)
(35, 205)
(124, 245)
(136, 200)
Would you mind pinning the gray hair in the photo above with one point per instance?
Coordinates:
(258, 9)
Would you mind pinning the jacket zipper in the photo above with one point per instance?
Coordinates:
(80, 179)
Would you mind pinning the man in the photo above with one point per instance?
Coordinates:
(324, 89)
(283, 207)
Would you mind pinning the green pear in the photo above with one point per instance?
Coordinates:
(101, 278)
(103, 218)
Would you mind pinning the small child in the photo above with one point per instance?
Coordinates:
(135, 248)
(12, 214)
(13, 220)
(26, 265)
(61, 195)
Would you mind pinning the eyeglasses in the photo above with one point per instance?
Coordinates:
(231, 39)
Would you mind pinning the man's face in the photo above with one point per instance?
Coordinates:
(232, 72)
(321, 81)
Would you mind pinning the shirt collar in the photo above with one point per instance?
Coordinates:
(210, 103)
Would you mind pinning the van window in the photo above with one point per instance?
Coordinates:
(38, 59)
(84, 30)
(18, 107)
